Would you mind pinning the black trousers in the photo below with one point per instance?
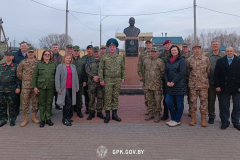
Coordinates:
(85, 93)
(225, 108)
(67, 108)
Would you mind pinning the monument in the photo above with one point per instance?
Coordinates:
(131, 35)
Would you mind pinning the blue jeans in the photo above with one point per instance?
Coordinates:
(175, 114)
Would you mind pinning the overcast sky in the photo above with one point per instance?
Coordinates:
(29, 21)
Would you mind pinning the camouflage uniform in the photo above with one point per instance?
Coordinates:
(153, 73)
(198, 69)
(94, 89)
(8, 84)
(144, 55)
(24, 73)
(86, 59)
(111, 71)
(80, 66)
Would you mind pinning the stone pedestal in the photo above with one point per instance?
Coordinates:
(131, 60)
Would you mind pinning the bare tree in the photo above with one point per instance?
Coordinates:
(46, 42)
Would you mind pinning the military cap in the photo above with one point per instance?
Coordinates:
(76, 48)
(196, 45)
(103, 47)
(8, 52)
(31, 49)
(95, 49)
(69, 46)
(154, 49)
(112, 41)
(148, 41)
(166, 42)
(89, 46)
(185, 44)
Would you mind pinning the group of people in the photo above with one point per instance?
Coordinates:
(175, 73)
(168, 75)
(97, 74)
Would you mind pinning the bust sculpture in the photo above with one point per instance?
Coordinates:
(131, 31)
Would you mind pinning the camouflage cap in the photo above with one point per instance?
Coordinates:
(154, 49)
(69, 46)
(8, 52)
(185, 44)
(76, 48)
(95, 49)
(196, 45)
(103, 47)
(31, 49)
(112, 41)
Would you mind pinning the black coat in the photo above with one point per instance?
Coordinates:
(176, 73)
(18, 57)
(227, 77)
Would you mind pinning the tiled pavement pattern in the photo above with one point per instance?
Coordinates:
(80, 141)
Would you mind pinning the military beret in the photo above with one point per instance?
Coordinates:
(154, 49)
(103, 47)
(95, 49)
(8, 52)
(166, 42)
(196, 45)
(148, 41)
(185, 44)
(76, 48)
(89, 46)
(31, 49)
(69, 46)
(112, 41)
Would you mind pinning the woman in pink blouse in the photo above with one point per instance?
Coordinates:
(67, 84)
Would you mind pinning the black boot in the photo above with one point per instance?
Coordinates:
(66, 122)
(115, 116)
(2, 123)
(165, 114)
(100, 115)
(49, 122)
(107, 118)
(79, 113)
(75, 109)
(58, 107)
(12, 123)
(87, 112)
(91, 116)
(42, 123)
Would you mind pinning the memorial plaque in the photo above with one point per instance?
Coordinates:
(131, 47)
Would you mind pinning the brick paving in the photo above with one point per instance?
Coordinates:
(80, 141)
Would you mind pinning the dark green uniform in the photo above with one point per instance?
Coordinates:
(44, 80)
(111, 71)
(86, 59)
(8, 84)
(94, 89)
(80, 66)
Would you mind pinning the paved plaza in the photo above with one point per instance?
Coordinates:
(82, 141)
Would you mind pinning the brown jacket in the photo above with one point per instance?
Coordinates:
(198, 69)
(153, 73)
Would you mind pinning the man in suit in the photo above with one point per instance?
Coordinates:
(227, 82)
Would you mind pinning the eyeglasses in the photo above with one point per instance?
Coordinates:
(47, 55)
(103, 48)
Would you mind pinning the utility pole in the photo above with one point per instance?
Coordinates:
(66, 32)
(195, 22)
(2, 31)
(1, 22)
(91, 42)
(100, 27)
(14, 42)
